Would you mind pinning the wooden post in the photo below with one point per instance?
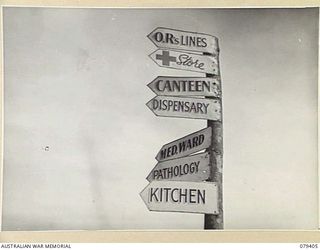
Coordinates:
(212, 221)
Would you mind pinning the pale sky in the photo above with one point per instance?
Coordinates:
(79, 140)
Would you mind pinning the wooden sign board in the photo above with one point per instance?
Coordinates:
(180, 196)
(184, 107)
(186, 145)
(186, 61)
(184, 40)
(186, 86)
(190, 168)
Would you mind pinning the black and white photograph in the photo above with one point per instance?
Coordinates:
(160, 118)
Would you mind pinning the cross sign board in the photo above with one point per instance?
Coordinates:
(184, 40)
(186, 61)
(180, 196)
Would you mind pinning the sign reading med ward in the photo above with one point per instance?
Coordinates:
(186, 145)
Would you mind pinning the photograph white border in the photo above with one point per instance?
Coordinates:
(238, 236)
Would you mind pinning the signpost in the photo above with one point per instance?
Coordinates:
(190, 168)
(190, 41)
(185, 61)
(184, 107)
(186, 145)
(179, 196)
(183, 181)
(215, 221)
(186, 86)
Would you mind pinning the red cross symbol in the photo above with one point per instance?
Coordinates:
(165, 58)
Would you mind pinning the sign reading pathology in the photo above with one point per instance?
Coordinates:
(184, 40)
(186, 86)
(190, 168)
(183, 107)
(185, 61)
(180, 196)
(186, 145)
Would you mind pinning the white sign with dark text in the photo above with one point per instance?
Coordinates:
(186, 61)
(185, 107)
(190, 168)
(184, 40)
(180, 196)
(186, 86)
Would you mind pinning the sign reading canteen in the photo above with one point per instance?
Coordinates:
(180, 196)
(186, 86)
(182, 40)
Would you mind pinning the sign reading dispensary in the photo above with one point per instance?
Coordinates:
(193, 108)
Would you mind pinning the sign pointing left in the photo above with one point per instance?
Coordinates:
(190, 168)
(185, 107)
(186, 145)
(186, 86)
(185, 61)
(184, 40)
(180, 196)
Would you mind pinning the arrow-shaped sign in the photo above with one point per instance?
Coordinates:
(186, 61)
(184, 40)
(184, 107)
(180, 196)
(190, 168)
(186, 145)
(186, 86)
